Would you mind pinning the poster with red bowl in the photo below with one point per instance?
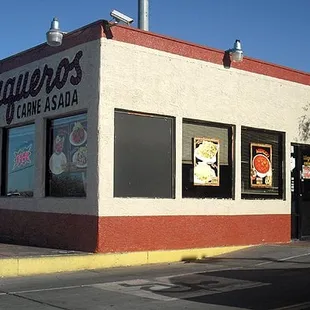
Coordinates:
(261, 165)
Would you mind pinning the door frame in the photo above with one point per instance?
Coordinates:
(295, 159)
(297, 190)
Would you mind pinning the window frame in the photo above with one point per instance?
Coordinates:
(173, 152)
(231, 131)
(48, 125)
(281, 195)
(5, 159)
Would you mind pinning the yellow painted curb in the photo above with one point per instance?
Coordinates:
(156, 257)
(8, 267)
(13, 267)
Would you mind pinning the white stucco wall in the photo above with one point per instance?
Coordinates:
(142, 79)
(88, 96)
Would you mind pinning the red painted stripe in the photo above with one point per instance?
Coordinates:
(147, 233)
(83, 35)
(136, 36)
(139, 233)
(186, 49)
(51, 230)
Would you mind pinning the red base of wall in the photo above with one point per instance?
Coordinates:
(140, 233)
(51, 230)
(117, 234)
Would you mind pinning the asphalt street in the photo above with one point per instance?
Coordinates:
(258, 278)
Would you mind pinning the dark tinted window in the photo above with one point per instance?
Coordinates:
(143, 155)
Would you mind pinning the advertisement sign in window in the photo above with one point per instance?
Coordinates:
(261, 165)
(67, 158)
(206, 162)
(306, 167)
(20, 161)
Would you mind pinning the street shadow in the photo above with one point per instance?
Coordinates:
(216, 260)
(257, 289)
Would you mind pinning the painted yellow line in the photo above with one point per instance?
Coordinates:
(13, 267)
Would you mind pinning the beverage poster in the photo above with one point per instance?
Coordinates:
(206, 162)
(261, 165)
(23, 156)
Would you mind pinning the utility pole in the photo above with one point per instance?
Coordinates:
(143, 22)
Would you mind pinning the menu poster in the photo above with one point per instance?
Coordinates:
(261, 165)
(306, 167)
(69, 147)
(206, 162)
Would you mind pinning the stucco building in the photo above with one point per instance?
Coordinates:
(123, 140)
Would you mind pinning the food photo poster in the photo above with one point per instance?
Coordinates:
(69, 153)
(206, 161)
(306, 167)
(261, 165)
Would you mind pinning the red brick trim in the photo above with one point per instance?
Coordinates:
(83, 35)
(186, 49)
(136, 36)
(51, 230)
(148, 233)
(139, 233)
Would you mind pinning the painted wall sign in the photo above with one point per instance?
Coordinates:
(261, 165)
(206, 162)
(29, 85)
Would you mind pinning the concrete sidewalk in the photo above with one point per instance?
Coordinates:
(12, 250)
(17, 260)
(270, 276)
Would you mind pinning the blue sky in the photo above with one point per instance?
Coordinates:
(276, 31)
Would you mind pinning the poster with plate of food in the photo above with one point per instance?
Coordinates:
(261, 165)
(79, 158)
(206, 161)
(78, 135)
(69, 152)
(306, 167)
(58, 163)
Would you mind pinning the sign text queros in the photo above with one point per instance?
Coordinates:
(30, 84)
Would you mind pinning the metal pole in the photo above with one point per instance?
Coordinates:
(144, 14)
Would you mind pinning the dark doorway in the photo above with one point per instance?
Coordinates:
(300, 191)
